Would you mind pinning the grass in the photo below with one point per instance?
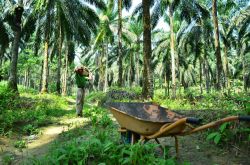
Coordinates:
(26, 113)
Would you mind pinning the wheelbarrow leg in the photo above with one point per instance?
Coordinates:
(162, 148)
(157, 141)
(143, 139)
(176, 146)
(135, 138)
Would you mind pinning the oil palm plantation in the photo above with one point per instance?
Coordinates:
(71, 18)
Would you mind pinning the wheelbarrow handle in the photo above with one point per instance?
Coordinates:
(244, 118)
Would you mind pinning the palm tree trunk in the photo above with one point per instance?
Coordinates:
(1, 57)
(147, 90)
(45, 68)
(225, 67)
(120, 43)
(166, 82)
(132, 69)
(137, 62)
(206, 75)
(59, 62)
(58, 77)
(102, 69)
(100, 74)
(12, 83)
(46, 55)
(244, 70)
(205, 62)
(65, 77)
(25, 78)
(106, 71)
(172, 51)
(41, 78)
(201, 90)
(65, 74)
(217, 45)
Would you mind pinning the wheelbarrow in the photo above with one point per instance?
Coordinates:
(146, 121)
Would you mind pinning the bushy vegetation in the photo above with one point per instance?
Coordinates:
(98, 148)
(192, 100)
(29, 111)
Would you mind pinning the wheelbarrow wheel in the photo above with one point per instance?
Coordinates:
(129, 137)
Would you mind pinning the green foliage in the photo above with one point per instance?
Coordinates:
(222, 135)
(28, 111)
(20, 144)
(7, 159)
(96, 97)
(98, 146)
(98, 116)
(191, 100)
(30, 129)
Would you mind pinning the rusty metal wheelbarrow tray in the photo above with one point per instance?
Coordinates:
(144, 118)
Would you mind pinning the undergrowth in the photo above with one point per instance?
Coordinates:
(29, 111)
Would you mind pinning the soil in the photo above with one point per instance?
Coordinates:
(193, 149)
(196, 151)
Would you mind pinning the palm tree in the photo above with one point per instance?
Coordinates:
(14, 21)
(147, 90)
(158, 11)
(73, 18)
(195, 34)
(163, 51)
(240, 22)
(127, 4)
(172, 47)
(104, 37)
(4, 41)
(227, 11)
(217, 45)
(4, 37)
(133, 31)
(18, 11)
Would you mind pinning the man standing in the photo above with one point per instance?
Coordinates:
(82, 79)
